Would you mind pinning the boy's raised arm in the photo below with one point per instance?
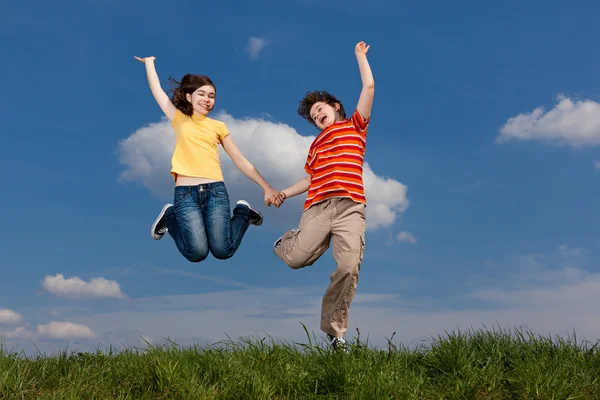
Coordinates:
(365, 101)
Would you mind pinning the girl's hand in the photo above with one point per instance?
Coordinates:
(361, 48)
(144, 59)
(278, 200)
(271, 194)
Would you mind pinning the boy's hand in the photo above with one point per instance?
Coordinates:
(278, 200)
(272, 194)
(361, 48)
(144, 59)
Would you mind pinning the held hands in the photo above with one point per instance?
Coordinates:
(274, 196)
(144, 59)
(361, 48)
(277, 201)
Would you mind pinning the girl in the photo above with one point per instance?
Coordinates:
(200, 219)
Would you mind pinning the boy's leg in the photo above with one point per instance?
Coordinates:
(186, 225)
(348, 243)
(303, 246)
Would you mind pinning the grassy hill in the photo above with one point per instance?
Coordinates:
(471, 365)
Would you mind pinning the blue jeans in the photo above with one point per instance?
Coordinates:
(200, 221)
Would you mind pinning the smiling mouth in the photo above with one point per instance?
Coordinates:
(322, 119)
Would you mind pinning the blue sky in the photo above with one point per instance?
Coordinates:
(483, 154)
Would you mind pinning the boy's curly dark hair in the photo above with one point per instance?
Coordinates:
(189, 84)
(313, 97)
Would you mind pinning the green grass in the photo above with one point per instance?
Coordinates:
(481, 364)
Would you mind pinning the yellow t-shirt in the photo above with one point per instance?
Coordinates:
(197, 140)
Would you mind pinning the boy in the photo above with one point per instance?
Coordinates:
(334, 209)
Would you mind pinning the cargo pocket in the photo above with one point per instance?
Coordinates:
(362, 249)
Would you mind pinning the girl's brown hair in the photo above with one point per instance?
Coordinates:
(188, 85)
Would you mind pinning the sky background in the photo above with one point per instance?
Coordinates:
(482, 176)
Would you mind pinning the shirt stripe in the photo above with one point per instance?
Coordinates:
(335, 161)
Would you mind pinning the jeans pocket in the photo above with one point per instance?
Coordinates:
(220, 195)
(219, 190)
(181, 196)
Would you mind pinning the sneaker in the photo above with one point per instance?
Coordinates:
(338, 343)
(159, 227)
(256, 217)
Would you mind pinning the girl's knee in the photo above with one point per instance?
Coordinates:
(222, 255)
(196, 255)
(221, 252)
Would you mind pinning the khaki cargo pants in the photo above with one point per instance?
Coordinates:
(340, 221)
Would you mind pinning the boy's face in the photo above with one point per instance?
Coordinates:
(323, 114)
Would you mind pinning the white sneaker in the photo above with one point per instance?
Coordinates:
(338, 343)
(159, 227)
(256, 217)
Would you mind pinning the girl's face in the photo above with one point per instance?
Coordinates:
(203, 99)
(323, 114)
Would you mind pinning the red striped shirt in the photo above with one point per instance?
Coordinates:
(335, 161)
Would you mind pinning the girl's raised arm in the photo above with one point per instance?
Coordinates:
(159, 94)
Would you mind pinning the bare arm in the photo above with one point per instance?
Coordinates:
(159, 94)
(365, 101)
(248, 169)
(297, 188)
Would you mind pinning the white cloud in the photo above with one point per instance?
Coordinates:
(570, 253)
(277, 151)
(255, 46)
(597, 165)
(407, 237)
(20, 332)
(576, 123)
(8, 316)
(52, 330)
(65, 330)
(76, 288)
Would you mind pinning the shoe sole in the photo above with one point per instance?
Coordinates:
(253, 209)
(160, 216)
